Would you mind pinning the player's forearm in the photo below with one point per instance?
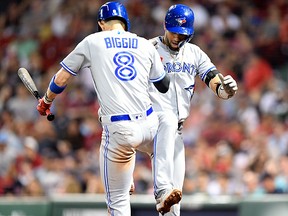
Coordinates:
(163, 85)
(214, 83)
(62, 77)
(57, 85)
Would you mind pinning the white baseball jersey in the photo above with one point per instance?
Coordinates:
(121, 64)
(119, 67)
(173, 107)
(182, 69)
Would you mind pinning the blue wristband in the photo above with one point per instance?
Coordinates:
(55, 88)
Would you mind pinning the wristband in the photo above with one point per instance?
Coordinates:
(55, 88)
(47, 100)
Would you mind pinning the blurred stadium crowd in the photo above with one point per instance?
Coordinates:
(236, 147)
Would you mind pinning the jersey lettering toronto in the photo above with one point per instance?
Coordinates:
(115, 42)
(177, 67)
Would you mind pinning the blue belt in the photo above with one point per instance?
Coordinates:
(126, 117)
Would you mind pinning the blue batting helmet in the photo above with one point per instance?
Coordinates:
(114, 10)
(179, 19)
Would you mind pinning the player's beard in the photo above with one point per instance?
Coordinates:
(167, 42)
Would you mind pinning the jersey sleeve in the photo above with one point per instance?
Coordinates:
(77, 59)
(157, 71)
(204, 64)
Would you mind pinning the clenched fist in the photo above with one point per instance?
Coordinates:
(229, 85)
(42, 107)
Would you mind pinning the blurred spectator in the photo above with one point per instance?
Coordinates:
(142, 179)
(197, 184)
(45, 134)
(247, 114)
(281, 180)
(225, 20)
(251, 184)
(257, 74)
(25, 174)
(220, 185)
(33, 189)
(273, 99)
(267, 43)
(30, 154)
(268, 184)
(91, 132)
(61, 21)
(64, 148)
(51, 174)
(223, 162)
(202, 16)
(5, 94)
(13, 141)
(22, 105)
(189, 186)
(91, 182)
(7, 154)
(278, 141)
(60, 124)
(74, 136)
(70, 184)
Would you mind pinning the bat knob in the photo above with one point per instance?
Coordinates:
(50, 117)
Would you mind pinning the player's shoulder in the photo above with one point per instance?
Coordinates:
(106, 34)
(92, 36)
(155, 41)
(193, 47)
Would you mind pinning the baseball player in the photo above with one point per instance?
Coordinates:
(122, 65)
(182, 61)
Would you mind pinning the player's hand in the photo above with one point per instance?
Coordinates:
(42, 107)
(229, 85)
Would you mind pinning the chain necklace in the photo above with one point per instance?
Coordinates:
(172, 53)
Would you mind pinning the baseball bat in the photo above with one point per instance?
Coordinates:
(30, 85)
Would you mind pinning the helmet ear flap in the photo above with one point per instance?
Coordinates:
(186, 41)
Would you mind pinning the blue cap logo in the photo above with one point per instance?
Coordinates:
(181, 21)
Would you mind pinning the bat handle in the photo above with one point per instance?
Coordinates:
(50, 116)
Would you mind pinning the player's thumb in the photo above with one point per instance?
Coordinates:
(221, 78)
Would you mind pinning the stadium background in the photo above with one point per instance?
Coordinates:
(237, 147)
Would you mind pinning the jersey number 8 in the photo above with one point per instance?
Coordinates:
(125, 70)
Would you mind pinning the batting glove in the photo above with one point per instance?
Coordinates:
(42, 107)
(229, 85)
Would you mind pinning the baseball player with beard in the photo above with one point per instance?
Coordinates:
(122, 66)
(182, 61)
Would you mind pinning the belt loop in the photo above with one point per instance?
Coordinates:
(149, 111)
(180, 125)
